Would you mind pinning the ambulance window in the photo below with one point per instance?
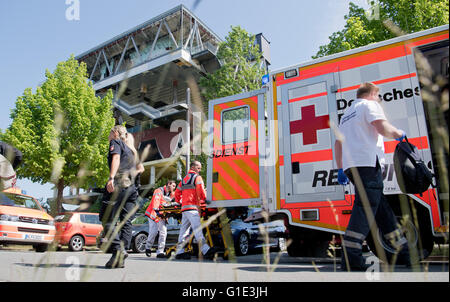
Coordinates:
(235, 125)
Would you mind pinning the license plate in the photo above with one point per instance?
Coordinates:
(33, 237)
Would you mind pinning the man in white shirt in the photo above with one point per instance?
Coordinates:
(359, 157)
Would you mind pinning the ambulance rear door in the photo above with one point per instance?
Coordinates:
(235, 169)
(308, 112)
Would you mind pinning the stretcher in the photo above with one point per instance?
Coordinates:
(213, 231)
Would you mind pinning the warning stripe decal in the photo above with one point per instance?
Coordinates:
(431, 39)
(322, 155)
(220, 193)
(310, 157)
(419, 142)
(237, 179)
(398, 78)
(311, 96)
(383, 53)
(316, 95)
(229, 184)
(241, 189)
(402, 77)
(246, 173)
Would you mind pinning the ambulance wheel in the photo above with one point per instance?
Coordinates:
(299, 247)
(242, 244)
(76, 243)
(419, 238)
(294, 248)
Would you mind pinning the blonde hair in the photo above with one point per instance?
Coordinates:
(127, 138)
(130, 143)
(122, 131)
(366, 89)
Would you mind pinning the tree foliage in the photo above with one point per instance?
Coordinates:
(62, 130)
(363, 28)
(240, 69)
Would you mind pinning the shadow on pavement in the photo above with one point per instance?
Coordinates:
(53, 265)
(291, 269)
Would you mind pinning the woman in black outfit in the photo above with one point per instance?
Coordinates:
(119, 201)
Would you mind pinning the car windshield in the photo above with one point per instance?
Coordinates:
(7, 199)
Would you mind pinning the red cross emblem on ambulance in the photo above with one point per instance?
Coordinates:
(309, 124)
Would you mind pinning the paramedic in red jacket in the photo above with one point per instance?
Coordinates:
(161, 197)
(191, 193)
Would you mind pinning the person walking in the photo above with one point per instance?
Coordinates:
(156, 223)
(11, 153)
(129, 140)
(191, 194)
(358, 154)
(119, 201)
(10, 159)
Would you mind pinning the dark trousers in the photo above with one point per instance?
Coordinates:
(359, 227)
(115, 209)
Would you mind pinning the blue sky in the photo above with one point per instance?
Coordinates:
(35, 35)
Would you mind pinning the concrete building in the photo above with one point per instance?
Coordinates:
(149, 69)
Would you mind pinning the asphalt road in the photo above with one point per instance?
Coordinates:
(88, 266)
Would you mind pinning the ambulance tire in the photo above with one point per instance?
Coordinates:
(307, 248)
(421, 238)
(294, 248)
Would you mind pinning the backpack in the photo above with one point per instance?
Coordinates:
(413, 176)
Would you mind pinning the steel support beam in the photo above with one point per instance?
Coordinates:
(122, 55)
(106, 62)
(95, 66)
(170, 33)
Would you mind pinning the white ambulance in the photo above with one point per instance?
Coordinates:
(274, 147)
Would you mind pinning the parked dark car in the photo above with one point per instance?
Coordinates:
(247, 236)
(251, 236)
(140, 233)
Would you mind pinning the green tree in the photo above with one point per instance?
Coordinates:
(240, 69)
(62, 130)
(363, 28)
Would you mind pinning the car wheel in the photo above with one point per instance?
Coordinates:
(139, 243)
(281, 245)
(76, 243)
(242, 244)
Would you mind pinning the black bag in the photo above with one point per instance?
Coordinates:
(413, 176)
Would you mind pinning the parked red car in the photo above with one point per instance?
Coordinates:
(77, 229)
